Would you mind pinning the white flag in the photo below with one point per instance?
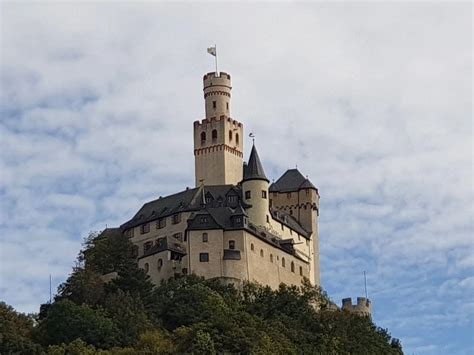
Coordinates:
(212, 51)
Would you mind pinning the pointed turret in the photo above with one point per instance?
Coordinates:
(255, 190)
(253, 170)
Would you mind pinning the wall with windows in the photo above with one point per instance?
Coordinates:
(272, 266)
(149, 232)
(160, 267)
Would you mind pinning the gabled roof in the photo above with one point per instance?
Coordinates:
(291, 181)
(253, 170)
(187, 200)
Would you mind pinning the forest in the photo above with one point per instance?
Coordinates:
(184, 315)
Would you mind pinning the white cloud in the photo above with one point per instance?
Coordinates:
(372, 101)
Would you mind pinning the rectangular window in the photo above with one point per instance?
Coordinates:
(147, 246)
(268, 218)
(288, 195)
(178, 236)
(129, 233)
(247, 194)
(176, 218)
(204, 257)
(205, 238)
(264, 194)
(161, 223)
(214, 104)
(144, 228)
(231, 244)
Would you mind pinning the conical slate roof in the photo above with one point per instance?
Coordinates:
(253, 170)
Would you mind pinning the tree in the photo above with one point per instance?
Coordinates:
(67, 321)
(84, 285)
(16, 332)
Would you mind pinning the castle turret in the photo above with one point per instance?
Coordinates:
(295, 194)
(362, 308)
(218, 143)
(255, 190)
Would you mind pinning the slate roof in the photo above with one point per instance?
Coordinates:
(291, 181)
(289, 221)
(184, 201)
(253, 170)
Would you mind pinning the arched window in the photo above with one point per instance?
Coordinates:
(261, 253)
(203, 137)
(252, 247)
(271, 258)
(146, 267)
(231, 244)
(204, 237)
(237, 138)
(283, 262)
(160, 263)
(230, 135)
(214, 134)
(292, 266)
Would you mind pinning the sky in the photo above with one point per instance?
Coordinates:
(371, 100)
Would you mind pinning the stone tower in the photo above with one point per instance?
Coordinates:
(255, 190)
(295, 194)
(218, 139)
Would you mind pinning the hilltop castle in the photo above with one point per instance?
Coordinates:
(233, 225)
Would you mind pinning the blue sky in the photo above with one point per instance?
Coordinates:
(372, 100)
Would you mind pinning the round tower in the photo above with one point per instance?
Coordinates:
(255, 190)
(217, 87)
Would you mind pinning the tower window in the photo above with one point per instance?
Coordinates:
(247, 194)
(268, 218)
(231, 244)
(160, 263)
(227, 106)
(252, 247)
(203, 137)
(292, 266)
(214, 104)
(261, 253)
(264, 194)
(237, 138)
(230, 135)
(283, 262)
(204, 257)
(271, 258)
(214, 134)
(301, 271)
(205, 238)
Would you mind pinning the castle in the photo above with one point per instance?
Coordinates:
(233, 225)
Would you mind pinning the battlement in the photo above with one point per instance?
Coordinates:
(216, 79)
(209, 120)
(362, 308)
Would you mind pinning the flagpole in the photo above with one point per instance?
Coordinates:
(215, 46)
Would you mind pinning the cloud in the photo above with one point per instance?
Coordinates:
(372, 101)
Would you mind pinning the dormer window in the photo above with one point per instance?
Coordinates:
(232, 198)
(204, 219)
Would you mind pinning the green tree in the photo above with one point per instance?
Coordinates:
(16, 332)
(128, 314)
(67, 321)
(84, 285)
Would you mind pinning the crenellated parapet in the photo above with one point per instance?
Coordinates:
(208, 121)
(363, 307)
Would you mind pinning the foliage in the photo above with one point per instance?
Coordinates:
(183, 315)
(16, 332)
(67, 321)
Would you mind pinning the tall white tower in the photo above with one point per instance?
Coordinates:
(218, 139)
